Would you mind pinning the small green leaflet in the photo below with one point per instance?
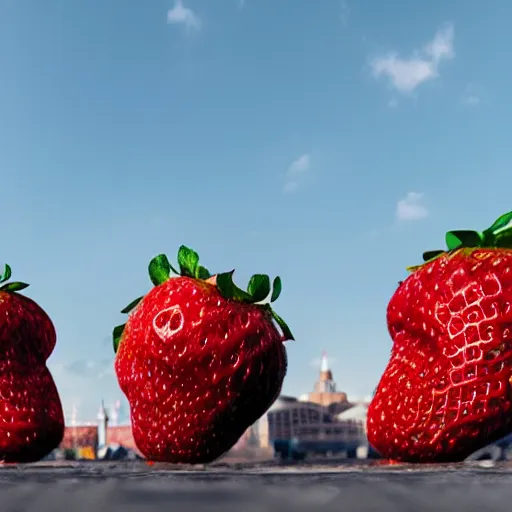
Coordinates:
(258, 287)
(202, 273)
(283, 326)
(15, 286)
(6, 275)
(229, 290)
(457, 239)
(132, 305)
(188, 261)
(429, 255)
(277, 286)
(500, 224)
(116, 336)
(159, 269)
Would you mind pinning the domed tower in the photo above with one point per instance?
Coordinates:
(325, 383)
(324, 392)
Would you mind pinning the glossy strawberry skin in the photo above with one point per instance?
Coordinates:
(446, 390)
(197, 369)
(31, 416)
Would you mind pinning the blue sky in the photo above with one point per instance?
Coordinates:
(328, 142)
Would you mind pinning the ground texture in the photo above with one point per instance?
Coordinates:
(137, 486)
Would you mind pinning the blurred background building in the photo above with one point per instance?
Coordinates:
(320, 422)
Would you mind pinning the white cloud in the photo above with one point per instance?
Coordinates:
(406, 74)
(180, 14)
(290, 186)
(471, 96)
(296, 172)
(411, 207)
(83, 368)
(300, 165)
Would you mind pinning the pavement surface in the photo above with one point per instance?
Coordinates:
(366, 486)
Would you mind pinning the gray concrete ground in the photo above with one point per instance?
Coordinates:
(226, 487)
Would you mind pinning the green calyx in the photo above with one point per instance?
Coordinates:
(497, 236)
(258, 288)
(12, 287)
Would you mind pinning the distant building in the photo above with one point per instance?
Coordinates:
(122, 435)
(310, 428)
(325, 392)
(356, 413)
(85, 439)
(80, 436)
(315, 421)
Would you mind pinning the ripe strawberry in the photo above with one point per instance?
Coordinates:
(199, 360)
(446, 391)
(31, 417)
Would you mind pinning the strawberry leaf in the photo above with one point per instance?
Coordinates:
(6, 275)
(132, 305)
(258, 287)
(160, 269)
(283, 326)
(500, 233)
(229, 290)
(277, 286)
(429, 255)
(188, 261)
(116, 336)
(458, 239)
(16, 286)
(500, 224)
(202, 273)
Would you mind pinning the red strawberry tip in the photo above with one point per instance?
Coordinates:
(14, 286)
(258, 288)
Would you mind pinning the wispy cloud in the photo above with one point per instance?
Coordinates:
(471, 96)
(296, 172)
(411, 207)
(85, 368)
(344, 12)
(181, 15)
(407, 74)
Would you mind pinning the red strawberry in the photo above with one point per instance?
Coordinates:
(199, 360)
(31, 417)
(446, 391)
